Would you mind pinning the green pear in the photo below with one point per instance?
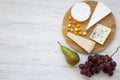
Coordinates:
(71, 57)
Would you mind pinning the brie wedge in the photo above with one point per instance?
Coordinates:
(99, 13)
(85, 44)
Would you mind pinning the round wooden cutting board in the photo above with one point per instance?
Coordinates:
(108, 21)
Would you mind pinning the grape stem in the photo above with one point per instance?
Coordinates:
(115, 51)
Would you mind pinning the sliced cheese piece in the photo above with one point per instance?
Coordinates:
(86, 44)
(99, 13)
(81, 11)
(100, 33)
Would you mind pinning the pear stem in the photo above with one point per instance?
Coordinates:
(59, 43)
(115, 51)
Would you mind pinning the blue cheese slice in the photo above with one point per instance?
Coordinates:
(84, 43)
(100, 34)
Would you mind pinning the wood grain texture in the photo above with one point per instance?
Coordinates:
(108, 21)
(29, 31)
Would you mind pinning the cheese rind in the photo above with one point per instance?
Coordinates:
(80, 11)
(99, 13)
(100, 33)
(84, 43)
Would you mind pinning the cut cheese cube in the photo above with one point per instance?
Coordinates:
(100, 33)
(99, 13)
(85, 44)
(81, 11)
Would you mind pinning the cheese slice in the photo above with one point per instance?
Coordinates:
(80, 11)
(100, 33)
(99, 13)
(86, 44)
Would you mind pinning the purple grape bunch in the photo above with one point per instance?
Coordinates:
(97, 63)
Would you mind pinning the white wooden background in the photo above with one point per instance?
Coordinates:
(29, 31)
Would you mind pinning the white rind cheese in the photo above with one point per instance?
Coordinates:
(81, 11)
(99, 13)
(86, 44)
(100, 33)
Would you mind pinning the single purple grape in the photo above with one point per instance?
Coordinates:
(102, 66)
(112, 68)
(89, 74)
(113, 63)
(82, 66)
(105, 70)
(94, 59)
(108, 65)
(90, 63)
(90, 58)
(83, 71)
(100, 62)
(110, 73)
